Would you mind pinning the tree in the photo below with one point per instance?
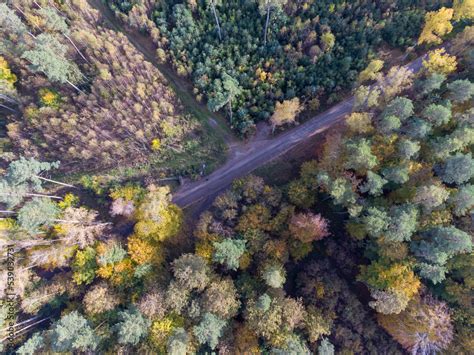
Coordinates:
(417, 128)
(84, 266)
(231, 90)
(132, 327)
(397, 174)
(209, 330)
(178, 342)
(408, 148)
(341, 191)
(433, 272)
(293, 345)
(423, 327)
(440, 62)
(308, 227)
(359, 122)
(28, 171)
(79, 226)
(366, 97)
(285, 112)
(360, 156)
(431, 196)
(441, 243)
(325, 348)
(152, 304)
(99, 299)
(374, 184)
(143, 251)
(457, 169)
(316, 324)
(388, 302)
(177, 297)
(395, 81)
(463, 10)
(157, 217)
(33, 345)
(328, 40)
(437, 24)
(274, 275)
(463, 200)
(372, 72)
(431, 83)
(221, 299)
(10, 21)
(265, 6)
(460, 90)
(191, 272)
(36, 213)
(437, 115)
(7, 82)
(394, 277)
(400, 107)
(228, 252)
(375, 221)
(389, 124)
(276, 319)
(403, 223)
(48, 57)
(300, 194)
(73, 333)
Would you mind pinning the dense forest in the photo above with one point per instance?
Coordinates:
(246, 56)
(367, 249)
(82, 94)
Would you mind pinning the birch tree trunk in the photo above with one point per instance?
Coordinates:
(213, 6)
(75, 87)
(266, 26)
(55, 182)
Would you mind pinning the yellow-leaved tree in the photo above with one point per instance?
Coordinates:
(440, 62)
(285, 112)
(372, 72)
(437, 24)
(6, 74)
(157, 217)
(463, 10)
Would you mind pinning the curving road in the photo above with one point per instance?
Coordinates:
(255, 154)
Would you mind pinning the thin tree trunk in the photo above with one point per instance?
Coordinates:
(75, 87)
(51, 3)
(217, 19)
(8, 108)
(75, 47)
(35, 195)
(48, 196)
(55, 182)
(27, 327)
(18, 324)
(266, 26)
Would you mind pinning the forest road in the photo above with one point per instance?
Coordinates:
(253, 155)
(243, 157)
